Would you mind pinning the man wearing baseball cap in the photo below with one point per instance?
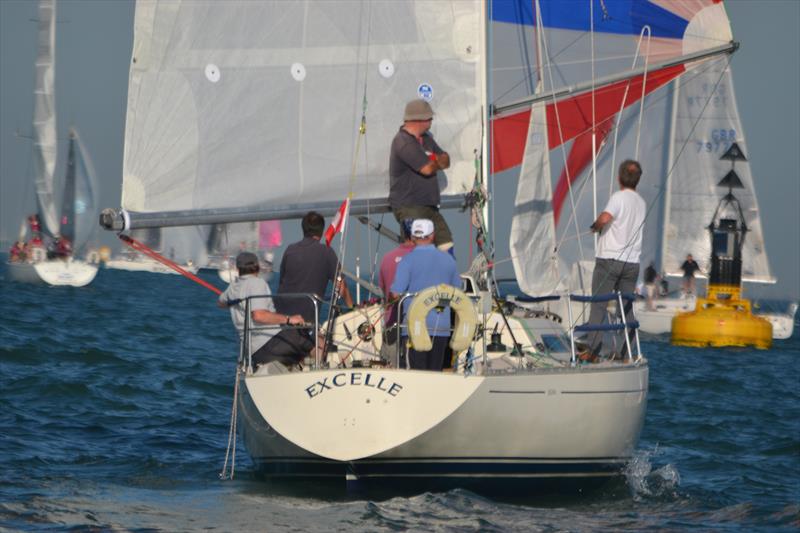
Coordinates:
(424, 267)
(414, 164)
(262, 311)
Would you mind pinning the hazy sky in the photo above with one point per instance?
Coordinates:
(93, 53)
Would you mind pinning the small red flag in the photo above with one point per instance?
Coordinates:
(339, 221)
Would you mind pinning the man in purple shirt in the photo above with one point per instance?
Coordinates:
(387, 273)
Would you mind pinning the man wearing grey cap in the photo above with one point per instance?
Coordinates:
(414, 164)
(262, 311)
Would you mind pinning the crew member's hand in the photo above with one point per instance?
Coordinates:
(296, 320)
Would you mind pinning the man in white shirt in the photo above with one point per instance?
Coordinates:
(619, 246)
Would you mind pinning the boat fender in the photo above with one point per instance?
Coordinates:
(439, 296)
(93, 257)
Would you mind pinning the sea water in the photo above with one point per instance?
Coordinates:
(115, 408)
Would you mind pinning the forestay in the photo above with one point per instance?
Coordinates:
(243, 104)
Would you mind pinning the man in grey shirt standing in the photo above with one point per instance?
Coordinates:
(414, 163)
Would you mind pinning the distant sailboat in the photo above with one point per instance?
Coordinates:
(704, 124)
(160, 241)
(225, 241)
(55, 247)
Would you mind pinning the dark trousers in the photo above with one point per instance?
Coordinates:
(289, 347)
(610, 275)
(430, 360)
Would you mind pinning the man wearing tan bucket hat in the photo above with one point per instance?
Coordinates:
(414, 163)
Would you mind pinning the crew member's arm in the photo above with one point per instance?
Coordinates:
(440, 162)
(262, 316)
(602, 219)
(344, 292)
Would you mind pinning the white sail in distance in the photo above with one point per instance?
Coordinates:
(45, 148)
(707, 123)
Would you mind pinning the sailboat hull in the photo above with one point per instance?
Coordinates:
(579, 422)
(70, 273)
(146, 265)
(658, 320)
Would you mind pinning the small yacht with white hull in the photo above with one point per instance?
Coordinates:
(201, 148)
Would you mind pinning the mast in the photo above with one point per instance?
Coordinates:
(594, 127)
(483, 72)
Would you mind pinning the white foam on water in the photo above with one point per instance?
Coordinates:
(645, 482)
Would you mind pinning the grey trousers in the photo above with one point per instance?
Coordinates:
(610, 275)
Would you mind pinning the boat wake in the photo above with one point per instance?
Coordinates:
(646, 483)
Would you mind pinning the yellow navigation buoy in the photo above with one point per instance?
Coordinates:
(717, 323)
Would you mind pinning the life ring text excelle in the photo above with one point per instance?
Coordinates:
(439, 296)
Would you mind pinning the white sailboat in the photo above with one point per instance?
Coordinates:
(189, 253)
(296, 110)
(75, 225)
(227, 240)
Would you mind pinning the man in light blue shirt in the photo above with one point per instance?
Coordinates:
(426, 266)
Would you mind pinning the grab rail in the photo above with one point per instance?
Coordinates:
(245, 350)
(621, 326)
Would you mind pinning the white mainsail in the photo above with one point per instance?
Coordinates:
(707, 123)
(45, 147)
(258, 104)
